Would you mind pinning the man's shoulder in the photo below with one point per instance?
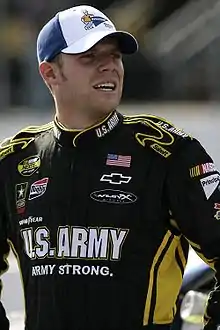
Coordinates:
(22, 139)
(157, 133)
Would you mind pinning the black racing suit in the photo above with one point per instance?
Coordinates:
(100, 221)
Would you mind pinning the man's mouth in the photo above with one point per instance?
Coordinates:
(106, 86)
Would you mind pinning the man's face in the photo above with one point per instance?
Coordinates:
(92, 81)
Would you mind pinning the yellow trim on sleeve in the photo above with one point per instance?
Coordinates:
(165, 282)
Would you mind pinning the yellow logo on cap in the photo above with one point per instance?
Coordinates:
(91, 20)
(86, 18)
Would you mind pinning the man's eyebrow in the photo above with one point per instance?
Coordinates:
(112, 48)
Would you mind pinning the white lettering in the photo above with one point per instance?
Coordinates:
(43, 270)
(76, 242)
(27, 235)
(97, 246)
(41, 241)
(51, 269)
(84, 270)
(117, 242)
(172, 129)
(79, 239)
(208, 167)
(30, 220)
(210, 183)
(104, 129)
(76, 269)
(63, 242)
(104, 271)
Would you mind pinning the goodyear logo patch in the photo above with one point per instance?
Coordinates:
(29, 166)
(6, 151)
(160, 150)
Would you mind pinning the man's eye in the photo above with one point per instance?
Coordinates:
(117, 55)
(89, 55)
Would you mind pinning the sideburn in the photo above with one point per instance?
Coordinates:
(58, 61)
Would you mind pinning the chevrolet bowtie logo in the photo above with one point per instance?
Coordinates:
(115, 178)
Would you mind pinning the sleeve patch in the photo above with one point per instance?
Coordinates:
(202, 169)
(210, 183)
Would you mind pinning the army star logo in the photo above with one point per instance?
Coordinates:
(20, 196)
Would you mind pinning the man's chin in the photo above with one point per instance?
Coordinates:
(107, 105)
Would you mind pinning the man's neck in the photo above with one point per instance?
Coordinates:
(78, 122)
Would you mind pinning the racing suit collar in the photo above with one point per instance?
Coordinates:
(70, 137)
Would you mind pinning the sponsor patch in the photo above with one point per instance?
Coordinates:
(113, 196)
(118, 160)
(202, 169)
(160, 150)
(29, 166)
(115, 178)
(210, 183)
(20, 196)
(38, 188)
(31, 219)
(217, 215)
(217, 206)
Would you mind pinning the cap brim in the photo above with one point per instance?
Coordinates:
(127, 43)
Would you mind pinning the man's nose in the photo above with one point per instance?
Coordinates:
(107, 63)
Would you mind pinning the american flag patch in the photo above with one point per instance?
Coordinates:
(118, 160)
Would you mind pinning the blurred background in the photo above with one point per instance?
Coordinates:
(175, 74)
(178, 58)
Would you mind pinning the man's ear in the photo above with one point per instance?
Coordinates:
(49, 73)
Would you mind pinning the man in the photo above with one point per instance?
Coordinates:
(97, 206)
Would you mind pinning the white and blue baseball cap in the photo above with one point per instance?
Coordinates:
(77, 29)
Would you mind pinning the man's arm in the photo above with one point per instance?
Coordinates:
(194, 198)
(4, 251)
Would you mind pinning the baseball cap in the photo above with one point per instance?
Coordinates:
(77, 29)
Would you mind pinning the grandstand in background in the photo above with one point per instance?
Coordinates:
(178, 58)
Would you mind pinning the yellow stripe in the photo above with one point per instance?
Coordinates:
(153, 138)
(210, 262)
(151, 279)
(197, 170)
(81, 131)
(36, 129)
(24, 141)
(169, 280)
(197, 246)
(144, 117)
(30, 129)
(194, 171)
(91, 127)
(181, 255)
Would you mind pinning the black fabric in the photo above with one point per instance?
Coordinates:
(91, 217)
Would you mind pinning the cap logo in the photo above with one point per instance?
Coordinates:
(91, 20)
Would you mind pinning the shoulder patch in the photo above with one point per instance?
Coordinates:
(21, 139)
(156, 132)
